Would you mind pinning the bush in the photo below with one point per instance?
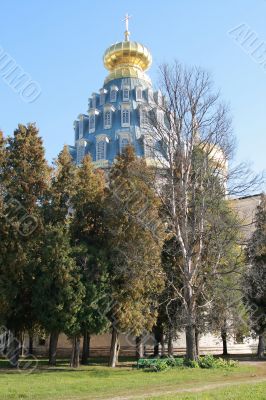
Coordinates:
(154, 365)
(175, 362)
(209, 361)
(162, 364)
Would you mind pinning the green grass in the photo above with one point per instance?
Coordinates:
(240, 392)
(97, 381)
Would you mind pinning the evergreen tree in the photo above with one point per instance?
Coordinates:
(58, 291)
(89, 244)
(169, 320)
(136, 237)
(58, 205)
(24, 181)
(57, 213)
(254, 282)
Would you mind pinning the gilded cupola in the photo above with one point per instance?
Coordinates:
(127, 59)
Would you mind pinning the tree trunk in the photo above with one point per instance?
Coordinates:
(162, 346)
(53, 347)
(22, 339)
(85, 348)
(156, 349)
(170, 344)
(114, 348)
(224, 339)
(13, 351)
(74, 362)
(158, 336)
(261, 347)
(197, 337)
(30, 344)
(139, 347)
(191, 352)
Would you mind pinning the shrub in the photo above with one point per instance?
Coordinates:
(175, 362)
(155, 365)
(209, 361)
(162, 364)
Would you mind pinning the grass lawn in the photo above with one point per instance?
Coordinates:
(237, 392)
(97, 381)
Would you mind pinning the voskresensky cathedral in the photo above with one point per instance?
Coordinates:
(118, 114)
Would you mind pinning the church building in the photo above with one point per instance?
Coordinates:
(118, 114)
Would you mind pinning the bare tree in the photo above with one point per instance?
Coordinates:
(192, 130)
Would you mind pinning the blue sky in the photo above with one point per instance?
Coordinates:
(60, 45)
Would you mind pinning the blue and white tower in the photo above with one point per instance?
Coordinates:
(118, 115)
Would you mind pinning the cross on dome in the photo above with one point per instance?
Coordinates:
(127, 33)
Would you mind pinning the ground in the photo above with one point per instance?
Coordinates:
(97, 381)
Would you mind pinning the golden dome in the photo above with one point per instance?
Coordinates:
(127, 59)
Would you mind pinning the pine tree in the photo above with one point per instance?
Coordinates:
(24, 178)
(136, 237)
(254, 282)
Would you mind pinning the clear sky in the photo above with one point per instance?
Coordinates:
(60, 44)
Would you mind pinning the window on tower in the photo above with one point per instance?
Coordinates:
(101, 150)
(113, 95)
(126, 94)
(107, 119)
(124, 142)
(125, 117)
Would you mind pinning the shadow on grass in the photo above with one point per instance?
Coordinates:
(62, 365)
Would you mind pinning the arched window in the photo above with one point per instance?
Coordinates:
(113, 95)
(101, 150)
(126, 94)
(107, 119)
(124, 142)
(125, 117)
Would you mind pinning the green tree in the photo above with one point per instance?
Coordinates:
(58, 291)
(254, 282)
(57, 213)
(135, 241)
(89, 245)
(24, 181)
(58, 205)
(169, 320)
